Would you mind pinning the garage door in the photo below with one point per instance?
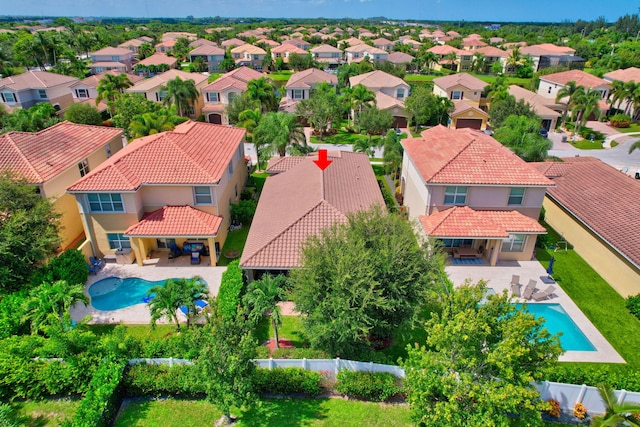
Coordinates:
(468, 123)
(399, 122)
(216, 119)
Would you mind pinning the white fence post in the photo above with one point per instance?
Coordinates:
(623, 395)
(270, 363)
(371, 367)
(583, 390)
(304, 363)
(337, 365)
(171, 362)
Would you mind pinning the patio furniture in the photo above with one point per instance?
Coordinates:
(539, 296)
(528, 290)
(465, 253)
(195, 258)
(96, 262)
(515, 285)
(92, 269)
(174, 251)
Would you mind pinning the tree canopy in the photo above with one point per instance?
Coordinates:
(322, 109)
(361, 280)
(478, 362)
(507, 106)
(83, 114)
(425, 108)
(522, 135)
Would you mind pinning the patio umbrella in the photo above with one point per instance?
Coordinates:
(550, 268)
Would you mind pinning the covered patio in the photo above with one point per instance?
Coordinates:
(176, 234)
(486, 235)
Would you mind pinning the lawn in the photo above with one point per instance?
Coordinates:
(137, 331)
(635, 127)
(280, 76)
(235, 241)
(276, 412)
(258, 179)
(585, 144)
(42, 413)
(343, 137)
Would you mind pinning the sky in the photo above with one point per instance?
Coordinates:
(439, 10)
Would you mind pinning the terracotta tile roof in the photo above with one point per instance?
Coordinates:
(626, 75)
(171, 221)
(43, 155)
(288, 47)
(111, 51)
(158, 59)
(547, 49)
(325, 48)
(202, 42)
(249, 48)
(538, 102)
(365, 48)
(473, 42)
(223, 83)
(193, 153)
(270, 43)
(244, 74)
(302, 201)
(463, 79)
(352, 41)
(36, 80)
(445, 50)
(381, 41)
(604, 199)
(283, 164)
(207, 50)
(462, 106)
(162, 79)
(132, 42)
(492, 51)
(94, 80)
(467, 156)
(232, 42)
(400, 58)
(376, 80)
(464, 222)
(385, 102)
(104, 64)
(309, 77)
(580, 77)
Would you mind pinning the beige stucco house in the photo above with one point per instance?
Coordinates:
(473, 194)
(329, 56)
(164, 189)
(55, 158)
(34, 87)
(219, 93)
(391, 91)
(111, 58)
(359, 52)
(248, 55)
(466, 92)
(545, 108)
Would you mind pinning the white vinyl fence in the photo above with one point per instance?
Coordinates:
(566, 394)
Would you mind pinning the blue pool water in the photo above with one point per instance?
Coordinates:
(114, 293)
(557, 320)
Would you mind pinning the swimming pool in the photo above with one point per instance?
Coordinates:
(557, 320)
(114, 293)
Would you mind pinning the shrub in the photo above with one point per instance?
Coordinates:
(298, 353)
(162, 380)
(288, 381)
(12, 313)
(389, 200)
(633, 305)
(100, 403)
(554, 408)
(69, 266)
(231, 288)
(376, 386)
(619, 377)
(243, 211)
(586, 133)
(620, 121)
(579, 411)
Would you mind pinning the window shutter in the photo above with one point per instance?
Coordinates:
(461, 95)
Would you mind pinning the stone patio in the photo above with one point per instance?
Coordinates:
(499, 278)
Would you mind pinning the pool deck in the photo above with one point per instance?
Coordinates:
(499, 279)
(139, 314)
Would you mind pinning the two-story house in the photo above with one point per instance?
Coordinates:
(299, 86)
(382, 43)
(212, 56)
(466, 92)
(133, 45)
(329, 56)
(33, 87)
(360, 51)
(545, 108)
(299, 43)
(248, 55)
(492, 54)
(390, 91)
(284, 50)
(550, 85)
(547, 55)
(164, 190)
(165, 46)
(446, 54)
(153, 90)
(86, 90)
(219, 93)
(55, 158)
(111, 58)
(155, 64)
(473, 194)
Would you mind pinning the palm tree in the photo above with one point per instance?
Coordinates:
(110, 87)
(149, 124)
(585, 103)
(181, 93)
(632, 95)
(392, 154)
(429, 58)
(345, 72)
(193, 290)
(479, 62)
(617, 94)
(361, 97)
(515, 60)
(616, 414)
(262, 298)
(263, 91)
(168, 299)
(277, 131)
(362, 145)
(567, 91)
(145, 50)
(49, 304)
(453, 61)
(249, 119)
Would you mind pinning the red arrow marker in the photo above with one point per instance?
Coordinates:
(322, 161)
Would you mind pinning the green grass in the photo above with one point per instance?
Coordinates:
(259, 178)
(614, 144)
(49, 412)
(280, 76)
(343, 137)
(585, 144)
(602, 305)
(213, 77)
(276, 412)
(137, 331)
(235, 241)
(635, 127)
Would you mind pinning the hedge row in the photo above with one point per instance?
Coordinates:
(231, 288)
(376, 386)
(620, 377)
(161, 380)
(288, 381)
(100, 403)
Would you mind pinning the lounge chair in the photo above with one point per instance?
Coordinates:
(515, 285)
(195, 257)
(96, 262)
(528, 290)
(539, 296)
(92, 269)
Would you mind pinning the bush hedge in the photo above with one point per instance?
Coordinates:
(231, 289)
(389, 200)
(288, 381)
(619, 377)
(620, 121)
(633, 305)
(161, 380)
(376, 386)
(100, 403)
(243, 211)
(69, 266)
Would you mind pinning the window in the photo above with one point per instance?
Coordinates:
(515, 243)
(516, 196)
(99, 69)
(456, 243)
(165, 243)
(466, 58)
(231, 96)
(230, 168)
(256, 57)
(297, 94)
(456, 95)
(161, 95)
(203, 195)
(118, 241)
(94, 59)
(465, 67)
(82, 93)
(236, 190)
(105, 202)
(83, 166)
(107, 148)
(42, 93)
(8, 97)
(115, 58)
(335, 55)
(400, 94)
(455, 195)
(212, 97)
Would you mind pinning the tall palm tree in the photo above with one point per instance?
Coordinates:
(110, 87)
(249, 119)
(193, 289)
(515, 60)
(166, 302)
(277, 131)
(567, 91)
(49, 303)
(617, 94)
(145, 50)
(262, 298)
(392, 154)
(632, 96)
(361, 97)
(623, 414)
(453, 61)
(345, 72)
(149, 124)
(479, 62)
(181, 93)
(263, 91)
(429, 58)
(585, 103)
